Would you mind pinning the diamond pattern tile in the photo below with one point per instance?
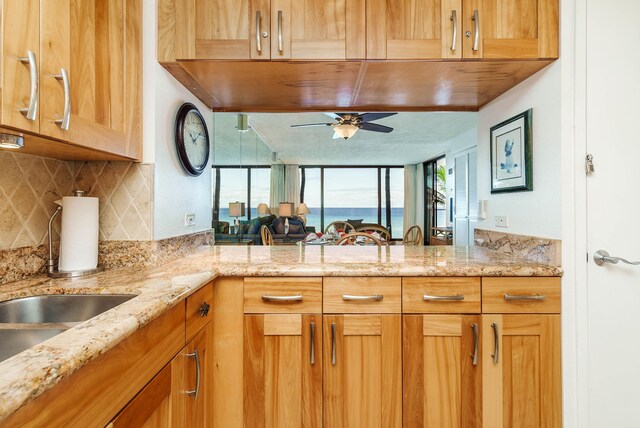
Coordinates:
(30, 185)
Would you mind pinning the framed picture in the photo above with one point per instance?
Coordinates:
(511, 154)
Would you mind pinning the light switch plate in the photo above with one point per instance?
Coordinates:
(502, 221)
(189, 220)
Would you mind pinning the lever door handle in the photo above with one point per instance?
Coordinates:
(601, 257)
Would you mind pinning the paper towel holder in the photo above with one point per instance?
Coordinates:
(52, 271)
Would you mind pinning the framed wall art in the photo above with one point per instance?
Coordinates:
(512, 154)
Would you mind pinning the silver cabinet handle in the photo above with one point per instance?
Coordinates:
(476, 339)
(454, 18)
(312, 356)
(535, 297)
(280, 48)
(333, 344)
(31, 111)
(496, 343)
(456, 298)
(292, 298)
(194, 393)
(351, 297)
(476, 35)
(66, 115)
(258, 31)
(601, 257)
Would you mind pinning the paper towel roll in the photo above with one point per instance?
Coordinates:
(79, 234)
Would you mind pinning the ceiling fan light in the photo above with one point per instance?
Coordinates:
(345, 130)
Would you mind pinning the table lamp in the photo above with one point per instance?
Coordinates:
(263, 209)
(303, 210)
(236, 209)
(285, 209)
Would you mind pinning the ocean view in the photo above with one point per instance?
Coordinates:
(368, 215)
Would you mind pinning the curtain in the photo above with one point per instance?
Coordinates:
(292, 184)
(414, 196)
(277, 188)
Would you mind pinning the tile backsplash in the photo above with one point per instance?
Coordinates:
(30, 185)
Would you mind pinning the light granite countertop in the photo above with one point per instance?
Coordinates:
(30, 373)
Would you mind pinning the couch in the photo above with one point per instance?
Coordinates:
(251, 230)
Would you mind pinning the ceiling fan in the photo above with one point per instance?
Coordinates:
(346, 124)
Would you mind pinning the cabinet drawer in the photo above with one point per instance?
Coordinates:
(199, 310)
(282, 295)
(521, 295)
(441, 295)
(362, 295)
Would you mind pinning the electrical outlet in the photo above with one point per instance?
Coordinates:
(502, 221)
(189, 219)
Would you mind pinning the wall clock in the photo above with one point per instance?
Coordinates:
(191, 139)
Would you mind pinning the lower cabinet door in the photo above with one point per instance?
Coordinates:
(362, 371)
(441, 371)
(282, 370)
(522, 371)
(193, 382)
(151, 408)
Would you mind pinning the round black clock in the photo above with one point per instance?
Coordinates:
(191, 139)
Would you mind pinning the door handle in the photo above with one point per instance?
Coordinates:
(280, 47)
(333, 344)
(31, 111)
(312, 356)
(454, 298)
(66, 84)
(258, 31)
(194, 393)
(476, 339)
(476, 34)
(601, 257)
(292, 298)
(496, 343)
(351, 297)
(454, 18)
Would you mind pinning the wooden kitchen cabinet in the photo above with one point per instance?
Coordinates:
(86, 69)
(421, 29)
(441, 371)
(510, 29)
(462, 29)
(261, 29)
(283, 370)
(521, 357)
(362, 370)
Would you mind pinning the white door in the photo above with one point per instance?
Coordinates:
(466, 197)
(613, 204)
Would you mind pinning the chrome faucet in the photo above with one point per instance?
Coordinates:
(50, 265)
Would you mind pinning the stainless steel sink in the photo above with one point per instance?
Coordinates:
(15, 341)
(59, 308)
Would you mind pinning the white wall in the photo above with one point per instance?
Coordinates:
(455, 146)
(538, 212)
(175, 193)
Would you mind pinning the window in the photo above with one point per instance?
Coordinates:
(354, 193)
(243, 184)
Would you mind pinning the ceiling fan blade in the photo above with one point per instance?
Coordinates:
(312, 124)
(368, 117)
(375, 127)
(335, 116)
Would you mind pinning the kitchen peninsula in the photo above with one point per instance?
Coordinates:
(491, 289)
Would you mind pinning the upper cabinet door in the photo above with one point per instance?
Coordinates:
(416, 29)
(506, 29)
(222, 29)
(327, 29)
(20, 64)
(90, 79)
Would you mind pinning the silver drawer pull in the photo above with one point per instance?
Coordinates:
(258, 31)
(496, 343)
(456, 298)
(312, 356)
(351, 297)
(454, 19)
(535, 297)
(476, 33)
(292, 298)
(333, 344)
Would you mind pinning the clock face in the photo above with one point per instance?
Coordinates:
(191, 139)
(195, 141)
